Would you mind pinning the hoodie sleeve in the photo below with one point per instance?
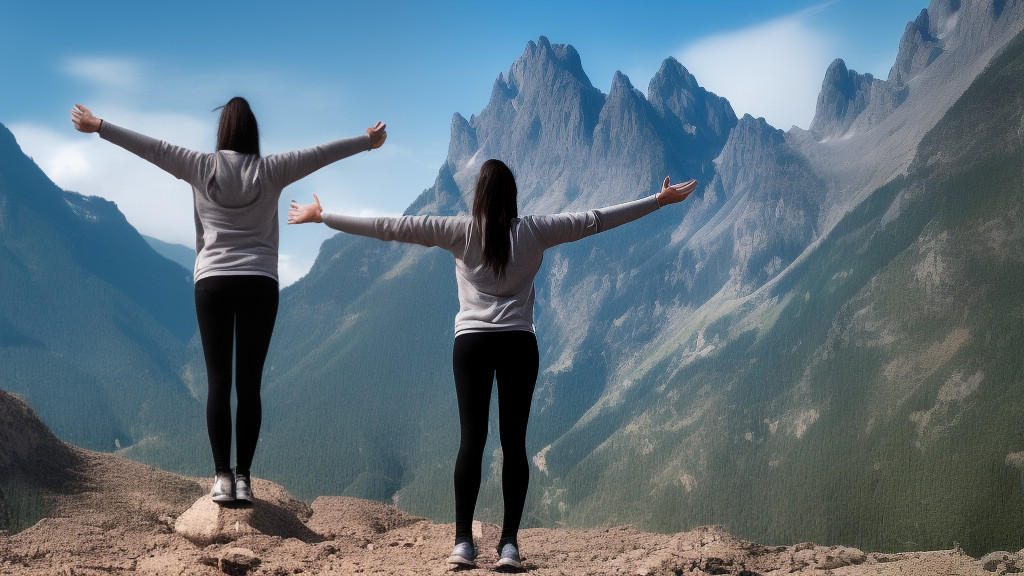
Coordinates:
(441, 231)
(555, 229)
(284, 169)
(182, 163)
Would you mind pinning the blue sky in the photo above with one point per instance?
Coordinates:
(317, 71)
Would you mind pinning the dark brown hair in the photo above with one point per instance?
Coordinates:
(494, 207)
(237, 130)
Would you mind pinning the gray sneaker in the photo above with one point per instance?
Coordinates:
(464, 555)
(243, 489)
(223, 487)
(509, 561)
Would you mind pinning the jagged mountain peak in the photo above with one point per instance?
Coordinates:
(672, 72)
(950, 34)
(765, 131)
(674, 92)
(463, 142)
(543, 52)
(844, 95)
(919, 47)
(544, 60)
(622, 88)
(620, 78)
(545, 107)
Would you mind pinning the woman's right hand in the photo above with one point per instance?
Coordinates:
(84, 121)
(377, 134)
(672, 193)
(302, 213)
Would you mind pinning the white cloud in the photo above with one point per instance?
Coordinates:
(154, 202)
(773, 70)
(291, 268)
(113, 74)
(132, 93)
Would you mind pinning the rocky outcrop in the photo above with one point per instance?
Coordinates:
(697, 122)
(274, 513)
(771, 196)
(844, 95)
(23, 438)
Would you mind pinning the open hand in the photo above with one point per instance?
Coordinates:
(672, 193)
(83, 119)
(377, 134)
(302, 213)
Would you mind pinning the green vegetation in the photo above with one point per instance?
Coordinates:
(21, 506)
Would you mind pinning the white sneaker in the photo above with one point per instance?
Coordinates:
(243, 488)
(509, 561)
(464, 555)
(223, 487)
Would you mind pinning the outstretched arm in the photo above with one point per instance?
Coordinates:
(424, 230)
(555, 229)
(181, 163)
(292, 166)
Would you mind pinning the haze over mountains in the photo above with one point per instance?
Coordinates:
(823, 343)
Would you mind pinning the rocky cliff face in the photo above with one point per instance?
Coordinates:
(949, 33)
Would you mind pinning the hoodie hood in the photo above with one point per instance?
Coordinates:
(235, 180)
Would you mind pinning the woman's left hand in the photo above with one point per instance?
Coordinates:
(302, 213)
(84, 121)
(378, 134)
(672, 193)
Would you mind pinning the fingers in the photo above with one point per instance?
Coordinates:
(665, 185)
(317, 200)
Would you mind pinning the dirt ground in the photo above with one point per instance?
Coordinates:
(123, 520)
(110, 515)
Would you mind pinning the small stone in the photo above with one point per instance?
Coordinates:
(238, 561)
(992, 560)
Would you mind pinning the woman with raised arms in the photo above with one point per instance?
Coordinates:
(497, 255)
(235, 193)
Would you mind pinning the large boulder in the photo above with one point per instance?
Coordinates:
(274, 513)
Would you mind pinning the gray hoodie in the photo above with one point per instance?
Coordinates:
(487, 302)
(235, 195)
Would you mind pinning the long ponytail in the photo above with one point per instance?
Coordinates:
(494, 208)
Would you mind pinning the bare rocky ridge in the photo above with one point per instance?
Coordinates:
(122, 517)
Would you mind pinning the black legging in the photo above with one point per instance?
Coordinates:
(477, 358)
(239, 312)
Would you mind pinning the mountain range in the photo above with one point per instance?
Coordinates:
(823, 343)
